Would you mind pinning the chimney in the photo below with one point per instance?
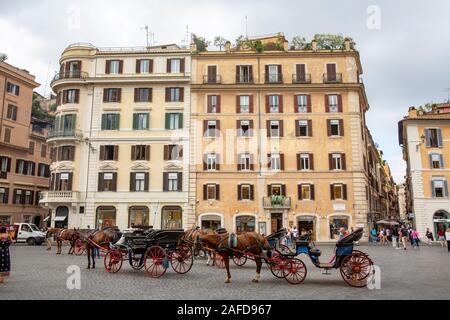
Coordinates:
(228, 47)
(314, 45)
(347, 44)
(412, 112)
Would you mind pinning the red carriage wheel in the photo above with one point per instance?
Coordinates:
(182, 259)
(219, 261)
(276, 264)
(113, 260)
(78, 247)
(239, 259)
(357, 269)
(294, 271)
(156, 261)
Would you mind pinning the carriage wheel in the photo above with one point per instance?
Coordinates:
(79, 247)
(357, 269)
(219, 261)
(156, 261)
(113, 261)
(239, 260)
(276, 264)
(182, 259)
(294, 271)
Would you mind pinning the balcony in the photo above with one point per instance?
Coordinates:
(212, 79)
(301, 78)
(277, 202)
(332, 78)
(58, 197)
(76, 75)
(64, 135)
(273, 78)
(244, 79)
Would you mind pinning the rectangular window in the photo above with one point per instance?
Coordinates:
(439, 188)
(436, 161)
(335, 128)
(114, 66)
(141, 121)
(244, 74)
(143, 95)
(302, 103)
(173, 152)
(7, 136)
(43, 150)
(18, 196)
(11, 113)
(107, 181)
(66, 153)
(110, 121)
(211, 161)
(3, 196)
(303, 128)
(305, 162)
(108, 153)
(211, 128)
(244, 128)
(338, 192)
(275, 162)
(140, 152)
(333, 103)
(144, 66)
(174, 121)
(31, 146)
(112, 95)
(245, 192)
(43, 170)
(12, 88)
(211, 192)
(336, 161)
(213, 104)
(274, 76)
(275, 128)
(139, 181)
(173, 181)
(174, 94)
(5, 164)
(244, 104)
(306, 191)
(20, 166)
(71, 96)
(433, 137)
(175, 65)
(245, 162)
(274, 103)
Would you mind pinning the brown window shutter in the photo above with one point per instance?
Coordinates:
(266, 72)
(268, 127)
(165, 181)
(269, 190)
(166, 152)
(133, 152)
(120, 66)
(114, 182)
(132, 179)
(297, 129)
(167, 94)
(267, 104)
(312, 191)
(310, 128)
(136, 94)
(237, 73)
(205, 165)
(218, 104)
(327, 104)
(217, 162)
(180, 151)
(329, 127)
(150, 94)
(58, 98)
(308, 103)
(344, 192)
(147, 153)
(250, 125)
(65, 96)
(108, 67)
(250, 101)
(281, 128)
(116, 153)
(280, 101)
(168, 66)
(332, 191)
(282, 161)
(100, 181)
(239, 196)
(119, 95)
(182, 65)
(218, 126)
(299, 192)
(181, 94)
(72, 153)
(252, 162)
(339, 103)
(283, 190)
(344, 165)
(238, 128)
(280, 70)
(295, 103)
(146, 181)
(341, 127)
(77, 96)
(180, 181)
(205, 192)
(105, 95)
(238, 104)
(250, 73)
(298, 161)
(102, 153)
(311, 161)
(208, 104)
(217, 191)
(330, 161)
(150, 66)
(252, 192)
(269, 160)
(138, 66)
(205, 127)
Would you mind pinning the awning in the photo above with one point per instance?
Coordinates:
(46, 219)
(60, 218)
(391, 223)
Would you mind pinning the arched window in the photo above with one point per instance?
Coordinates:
(61, 217)
(211, 221)
(106, 217)
(245, 223)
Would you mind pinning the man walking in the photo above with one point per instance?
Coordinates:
(395, 239)
(403, 236)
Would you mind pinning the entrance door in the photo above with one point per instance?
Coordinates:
(61, 216)
(441, 220)
(306, 225)
(276, 221)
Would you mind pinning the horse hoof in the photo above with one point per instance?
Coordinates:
(228, 281)
(255, 280)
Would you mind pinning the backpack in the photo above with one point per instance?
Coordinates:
(404, 232)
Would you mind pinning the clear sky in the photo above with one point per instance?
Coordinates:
(404, 45)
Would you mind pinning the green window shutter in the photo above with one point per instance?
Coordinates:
(135, 121)
(117, 122)
(180, 121)
(103, 121)
(167, 121)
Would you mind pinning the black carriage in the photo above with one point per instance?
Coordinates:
(153, 250)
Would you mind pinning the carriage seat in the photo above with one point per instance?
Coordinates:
(315, 251)
(221, 231)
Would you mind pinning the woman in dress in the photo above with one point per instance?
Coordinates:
(5, 264)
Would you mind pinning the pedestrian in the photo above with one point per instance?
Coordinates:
(429, 236)
(403, 236)
(382, 236)
(5, 262)
(441, 237)
(447, 237)
(294, 234)
(374, 235)
(342, 233)
(48, 239)
(288, 237)
(388, 235)
(415, 238)
(410, 229)
(395, 239)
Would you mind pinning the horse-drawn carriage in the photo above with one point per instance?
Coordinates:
(153, 250)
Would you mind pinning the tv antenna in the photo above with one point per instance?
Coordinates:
(149, 36)
(246, 27)
(187, 38)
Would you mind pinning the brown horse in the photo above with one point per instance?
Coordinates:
(192, 237)
(63, 235)
(99, 239)
(250, 242)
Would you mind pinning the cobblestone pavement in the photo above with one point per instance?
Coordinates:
(410, 274)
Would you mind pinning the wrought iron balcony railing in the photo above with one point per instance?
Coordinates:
(64, 134)
(70, 75)
(332, 77)
(276, 202)
(244, 78)
(301, 78)
(212, 79)
(273, 78)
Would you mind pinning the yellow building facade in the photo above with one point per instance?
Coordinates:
(277, 139)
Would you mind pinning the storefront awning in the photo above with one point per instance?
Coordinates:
(211, 217)
(60, 218)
